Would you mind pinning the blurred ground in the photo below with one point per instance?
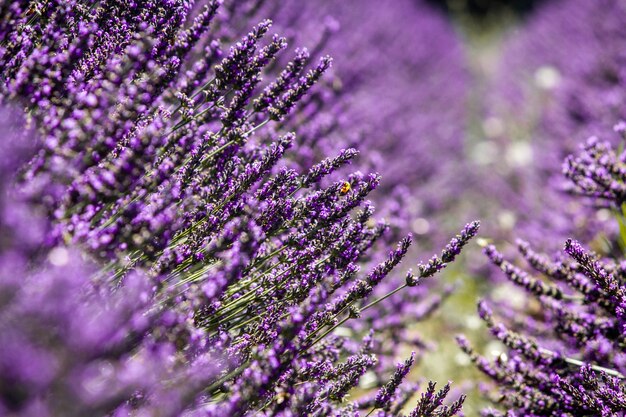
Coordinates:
(483, 29)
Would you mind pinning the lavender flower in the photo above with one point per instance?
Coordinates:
(450, 252)
(384, 395)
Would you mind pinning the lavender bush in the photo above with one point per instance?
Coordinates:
(563, 346)
(68, 345)
(567, 356)
(221, 253)
(401, 89)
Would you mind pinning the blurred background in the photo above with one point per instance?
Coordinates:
(487, 8)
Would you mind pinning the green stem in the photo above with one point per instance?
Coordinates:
(384, 297)
(232, 374)
(579, 363)
(373, 303)
(327, 332)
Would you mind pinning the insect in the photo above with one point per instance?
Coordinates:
(33, 10)
(345, 188)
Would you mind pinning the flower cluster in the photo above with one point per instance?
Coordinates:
(402, 87)
(69, 346)
(171, 150)
(567, 357)
(400, 90)
(598, 173)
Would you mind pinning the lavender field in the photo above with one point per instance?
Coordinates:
(344, 208)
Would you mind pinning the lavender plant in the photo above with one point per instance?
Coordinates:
(226, 260)
(567, 356)
(400, 91)
(69, 346)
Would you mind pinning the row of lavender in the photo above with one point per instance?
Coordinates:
(185, 158)
(560, 81)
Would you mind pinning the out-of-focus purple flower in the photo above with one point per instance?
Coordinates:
(559, 81)
(67, 345)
